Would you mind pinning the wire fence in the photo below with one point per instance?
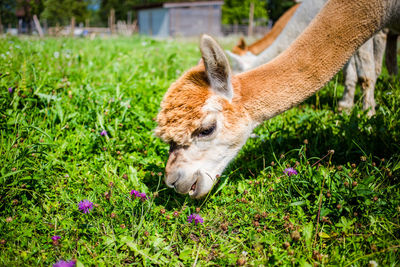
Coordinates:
(243, 30)
(41, 28)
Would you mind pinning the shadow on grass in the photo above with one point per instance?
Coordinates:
(350, 136)
(167, 197)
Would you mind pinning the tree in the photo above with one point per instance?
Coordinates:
(7, 12)
(237, 11)
(121, 7)
(61, 11)
(277, 7)
(30, 8)
(25, 10)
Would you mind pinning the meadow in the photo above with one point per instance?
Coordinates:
(77, 121)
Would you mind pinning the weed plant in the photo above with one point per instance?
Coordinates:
(76, 127)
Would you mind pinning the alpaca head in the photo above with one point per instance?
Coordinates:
(202, 120)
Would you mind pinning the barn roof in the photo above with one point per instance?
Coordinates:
(178, 4)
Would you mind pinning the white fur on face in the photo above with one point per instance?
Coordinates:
(207, 156)
(213, 104)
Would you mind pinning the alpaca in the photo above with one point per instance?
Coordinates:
(307, 10)
(256, 48)
(361, 67)
(364, 66)
(207, 114)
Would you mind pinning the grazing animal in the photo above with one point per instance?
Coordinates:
(364, 66)
(257, 47)
(207, 114)
(307, 10)
(360, 68)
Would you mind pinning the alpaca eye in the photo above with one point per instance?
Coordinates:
(208, 131)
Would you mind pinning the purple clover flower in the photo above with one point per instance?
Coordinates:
(55, 238)
(103, 133)
(196, 218)
(143, 196)
(290, 171)
(62, 263)
(85, 206)
(134, 192)
(138, 194)
(10, 90)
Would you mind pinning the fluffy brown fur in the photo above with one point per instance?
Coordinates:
(181, 107)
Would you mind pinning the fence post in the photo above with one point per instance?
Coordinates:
(111, 20)
(251, 17)
(37, 25)
(20, 26)
(129, 18)
(45, 26)
(72, 26)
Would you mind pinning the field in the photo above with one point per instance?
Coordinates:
(77, 121)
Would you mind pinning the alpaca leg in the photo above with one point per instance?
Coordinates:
(391, 53)
(350, 81)
(365, 65)
(379, 50)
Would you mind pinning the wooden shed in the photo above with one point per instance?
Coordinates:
(180, 19)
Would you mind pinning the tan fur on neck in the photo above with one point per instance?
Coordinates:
(312, 59)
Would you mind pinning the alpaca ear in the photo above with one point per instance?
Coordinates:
(217, 67)
(242, 44)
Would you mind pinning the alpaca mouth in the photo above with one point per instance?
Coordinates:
(197, 185)
(203, 183)
(193, 189)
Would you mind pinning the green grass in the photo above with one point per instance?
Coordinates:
(66, 91)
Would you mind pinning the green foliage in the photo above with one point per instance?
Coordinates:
(236, 11)
(26, 10)
(61, 11)
(277, 7)
(66, 91)
(7, 12)
(121, 8)
(31, 8)
(55, 11)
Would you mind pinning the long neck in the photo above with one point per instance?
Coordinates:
(260, 45)
(312, 60)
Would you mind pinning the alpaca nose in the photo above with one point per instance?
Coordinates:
(171, 178)
(170, 185)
